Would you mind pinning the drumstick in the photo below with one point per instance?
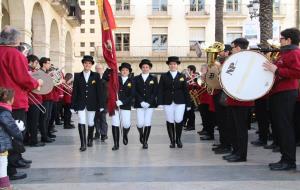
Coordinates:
(246, 75)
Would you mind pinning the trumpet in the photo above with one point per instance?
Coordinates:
(58, 79)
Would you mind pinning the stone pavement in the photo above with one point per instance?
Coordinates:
(60, 165)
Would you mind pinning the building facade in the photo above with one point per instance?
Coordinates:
(47, 25)
(156, 29)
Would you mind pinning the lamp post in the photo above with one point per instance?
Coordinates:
(253, 8)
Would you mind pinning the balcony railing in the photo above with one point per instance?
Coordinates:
(152, 51)
(233, 9)
(123, 10)
(196, 10)
(159, 10)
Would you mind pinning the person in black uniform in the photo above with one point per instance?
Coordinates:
(173, 94)
(146, 88)
(86, 99)
(124, 102)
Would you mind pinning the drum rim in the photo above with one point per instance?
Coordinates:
(243, 100)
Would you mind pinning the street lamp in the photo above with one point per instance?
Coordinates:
(253, 8)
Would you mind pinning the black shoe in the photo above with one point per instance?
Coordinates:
(284, 166)
(203, 132)
(275, 163)
(39, 144)
(59, 123)
(214, 148)
(224, 150)
(259, 143)
(26, 161)
(19, 175)
(90, 136)
(171, 133)
(276, 149)
(207, 137)
(47, 140)
(178, 130)
(270, 146)
(125, 135)
(228, 156)
(140, 130)
(53, 130)
(51, 136)
(20, 164)
(236, 159)
(69, 126)
(103, 138)
(189, 128)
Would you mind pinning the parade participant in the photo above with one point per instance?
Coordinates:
(146, 88)
(238, 113)
(283, 96)
(14, 69)
(67, 100)
(189, 116)
(100, 117)
(33, 113)
(174, 96)
(44, 119)
(124, 102)
(86, 99)
(8, 130)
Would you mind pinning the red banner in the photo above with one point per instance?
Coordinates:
(109, 52)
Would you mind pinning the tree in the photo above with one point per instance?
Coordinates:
(266, 21)
(219, 21)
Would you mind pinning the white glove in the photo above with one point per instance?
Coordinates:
(72, 111)
(188, 108)
(143, 104)
(119, 103)
(146, 105)
(101, 109)
(20, 125)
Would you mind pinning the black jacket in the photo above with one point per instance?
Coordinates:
(88, 94)
(145, 91)
(126, 93)
(173, 90)
(8, 129)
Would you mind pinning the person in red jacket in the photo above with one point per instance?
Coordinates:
(283, 97)
(14, 69)
(238, 116)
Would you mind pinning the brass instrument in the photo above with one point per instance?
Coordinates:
(57, 77)
(272, 52)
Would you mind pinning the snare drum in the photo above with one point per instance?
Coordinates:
(244, 78)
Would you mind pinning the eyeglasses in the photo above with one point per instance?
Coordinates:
(282, 38)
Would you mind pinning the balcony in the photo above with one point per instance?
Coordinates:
(195, 12)
(279, 11)
(235, 10)
(159, 11)
(60, 6)
(123, 11)
(74, 17)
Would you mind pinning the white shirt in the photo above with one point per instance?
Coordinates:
(173, 73)
(124, 79)
(86, 75)
(145, 76)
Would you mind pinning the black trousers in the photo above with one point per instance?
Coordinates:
(55, 113)
(263, 118)
(45, 119)
(297, 121)
(67, 114)
(282, 106)
(238, 120)
(189, 117)
(13, 155)
(33, 116)
(222, 121)
(101, 123)
(207, 119)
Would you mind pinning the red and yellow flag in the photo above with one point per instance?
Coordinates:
(109, 51)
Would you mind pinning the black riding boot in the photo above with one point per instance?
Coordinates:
(90, 136)
(141, 134)
(82, 135)
(116, 136)
(178, 127)
(125, 137)
(171, 133)
(146, 136)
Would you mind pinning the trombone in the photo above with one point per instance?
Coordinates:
(57, 77)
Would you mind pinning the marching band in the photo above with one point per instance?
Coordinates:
(180, 95)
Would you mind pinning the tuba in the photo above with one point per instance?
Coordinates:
(214, 68)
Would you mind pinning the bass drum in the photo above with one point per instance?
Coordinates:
(244, 78)
(47, 82)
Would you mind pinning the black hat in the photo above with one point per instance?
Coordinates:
(125, 65)
(87, 58)
(227, 47)
(145, 62)
(173, 59)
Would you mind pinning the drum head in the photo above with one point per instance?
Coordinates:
(47, 82)
(212, 77)
(243, 76)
